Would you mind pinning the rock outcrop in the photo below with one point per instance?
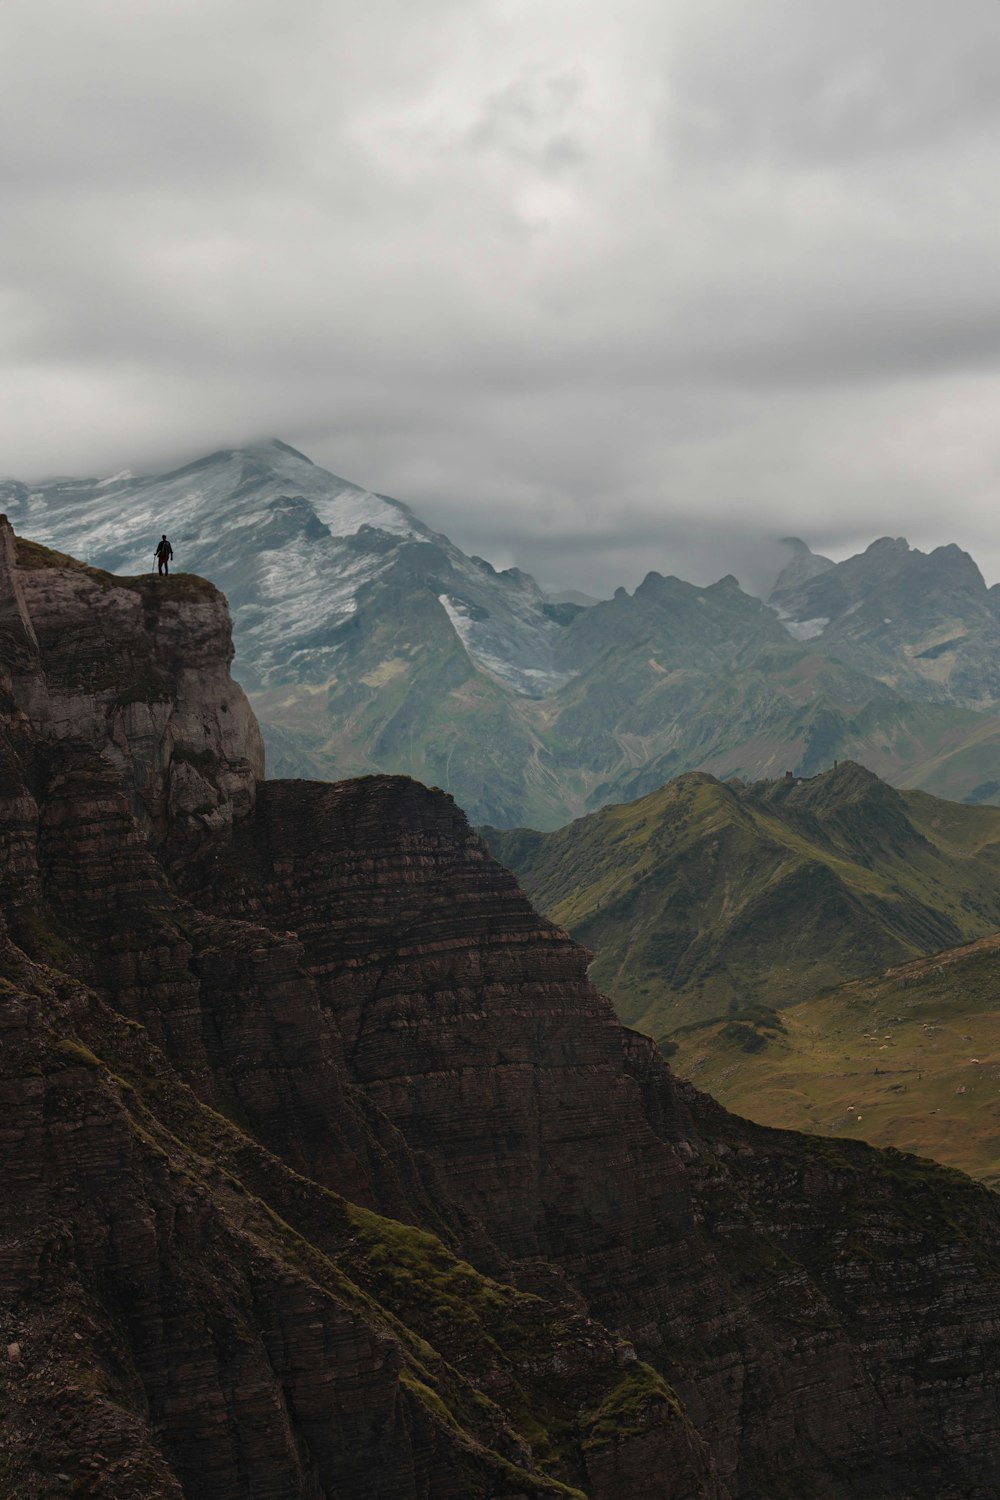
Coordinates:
(327, 1171)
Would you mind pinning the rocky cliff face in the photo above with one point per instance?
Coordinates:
(237, 1035)
(137, 672)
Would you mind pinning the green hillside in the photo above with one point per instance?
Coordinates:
(705, 897)
(910, 1058)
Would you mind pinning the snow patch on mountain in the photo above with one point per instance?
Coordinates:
(801, 630)
(807, 630)
(494, 650)
(347, 512)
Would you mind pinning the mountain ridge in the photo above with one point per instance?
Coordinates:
(707, 897)
(369, 642)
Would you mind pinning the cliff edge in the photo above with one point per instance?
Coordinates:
(328, 1172)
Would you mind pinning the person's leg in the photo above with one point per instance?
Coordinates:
(159, 566)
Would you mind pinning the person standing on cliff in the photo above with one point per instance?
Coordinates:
(164, 552)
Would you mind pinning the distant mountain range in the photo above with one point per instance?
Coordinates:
(369, 642)
(705, 899)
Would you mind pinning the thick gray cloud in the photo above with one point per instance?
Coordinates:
(595, 288)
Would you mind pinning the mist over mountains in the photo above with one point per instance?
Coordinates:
(369, 642)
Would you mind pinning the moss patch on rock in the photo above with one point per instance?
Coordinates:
(628, 1408)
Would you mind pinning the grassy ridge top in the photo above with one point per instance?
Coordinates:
(707, 897)
(909, 1058)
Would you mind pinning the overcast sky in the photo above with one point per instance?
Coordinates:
(594, 287)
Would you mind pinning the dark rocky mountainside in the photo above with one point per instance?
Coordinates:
(328, 1173)
(706, 897)
(369, 642)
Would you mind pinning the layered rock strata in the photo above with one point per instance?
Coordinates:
(749, 1265)
(242, 1022)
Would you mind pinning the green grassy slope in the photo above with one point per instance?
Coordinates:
(910, 1058)
(706, 897)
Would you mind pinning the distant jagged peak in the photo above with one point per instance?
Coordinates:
(801, 566)
(804, 556)
(797, 545)
(266, 449)
(948, 550)
(957, 564)
(890, 558)
(276, 445)
(888, 576)
(658, 592)
(889, 544)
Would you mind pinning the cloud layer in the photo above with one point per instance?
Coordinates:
(595, 288)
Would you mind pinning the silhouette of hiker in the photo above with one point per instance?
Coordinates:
(164, 552)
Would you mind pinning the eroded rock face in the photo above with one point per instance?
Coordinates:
(753, 1266)
(100, 832)
(138, 671)
(244, 1030)
(176, 1337)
